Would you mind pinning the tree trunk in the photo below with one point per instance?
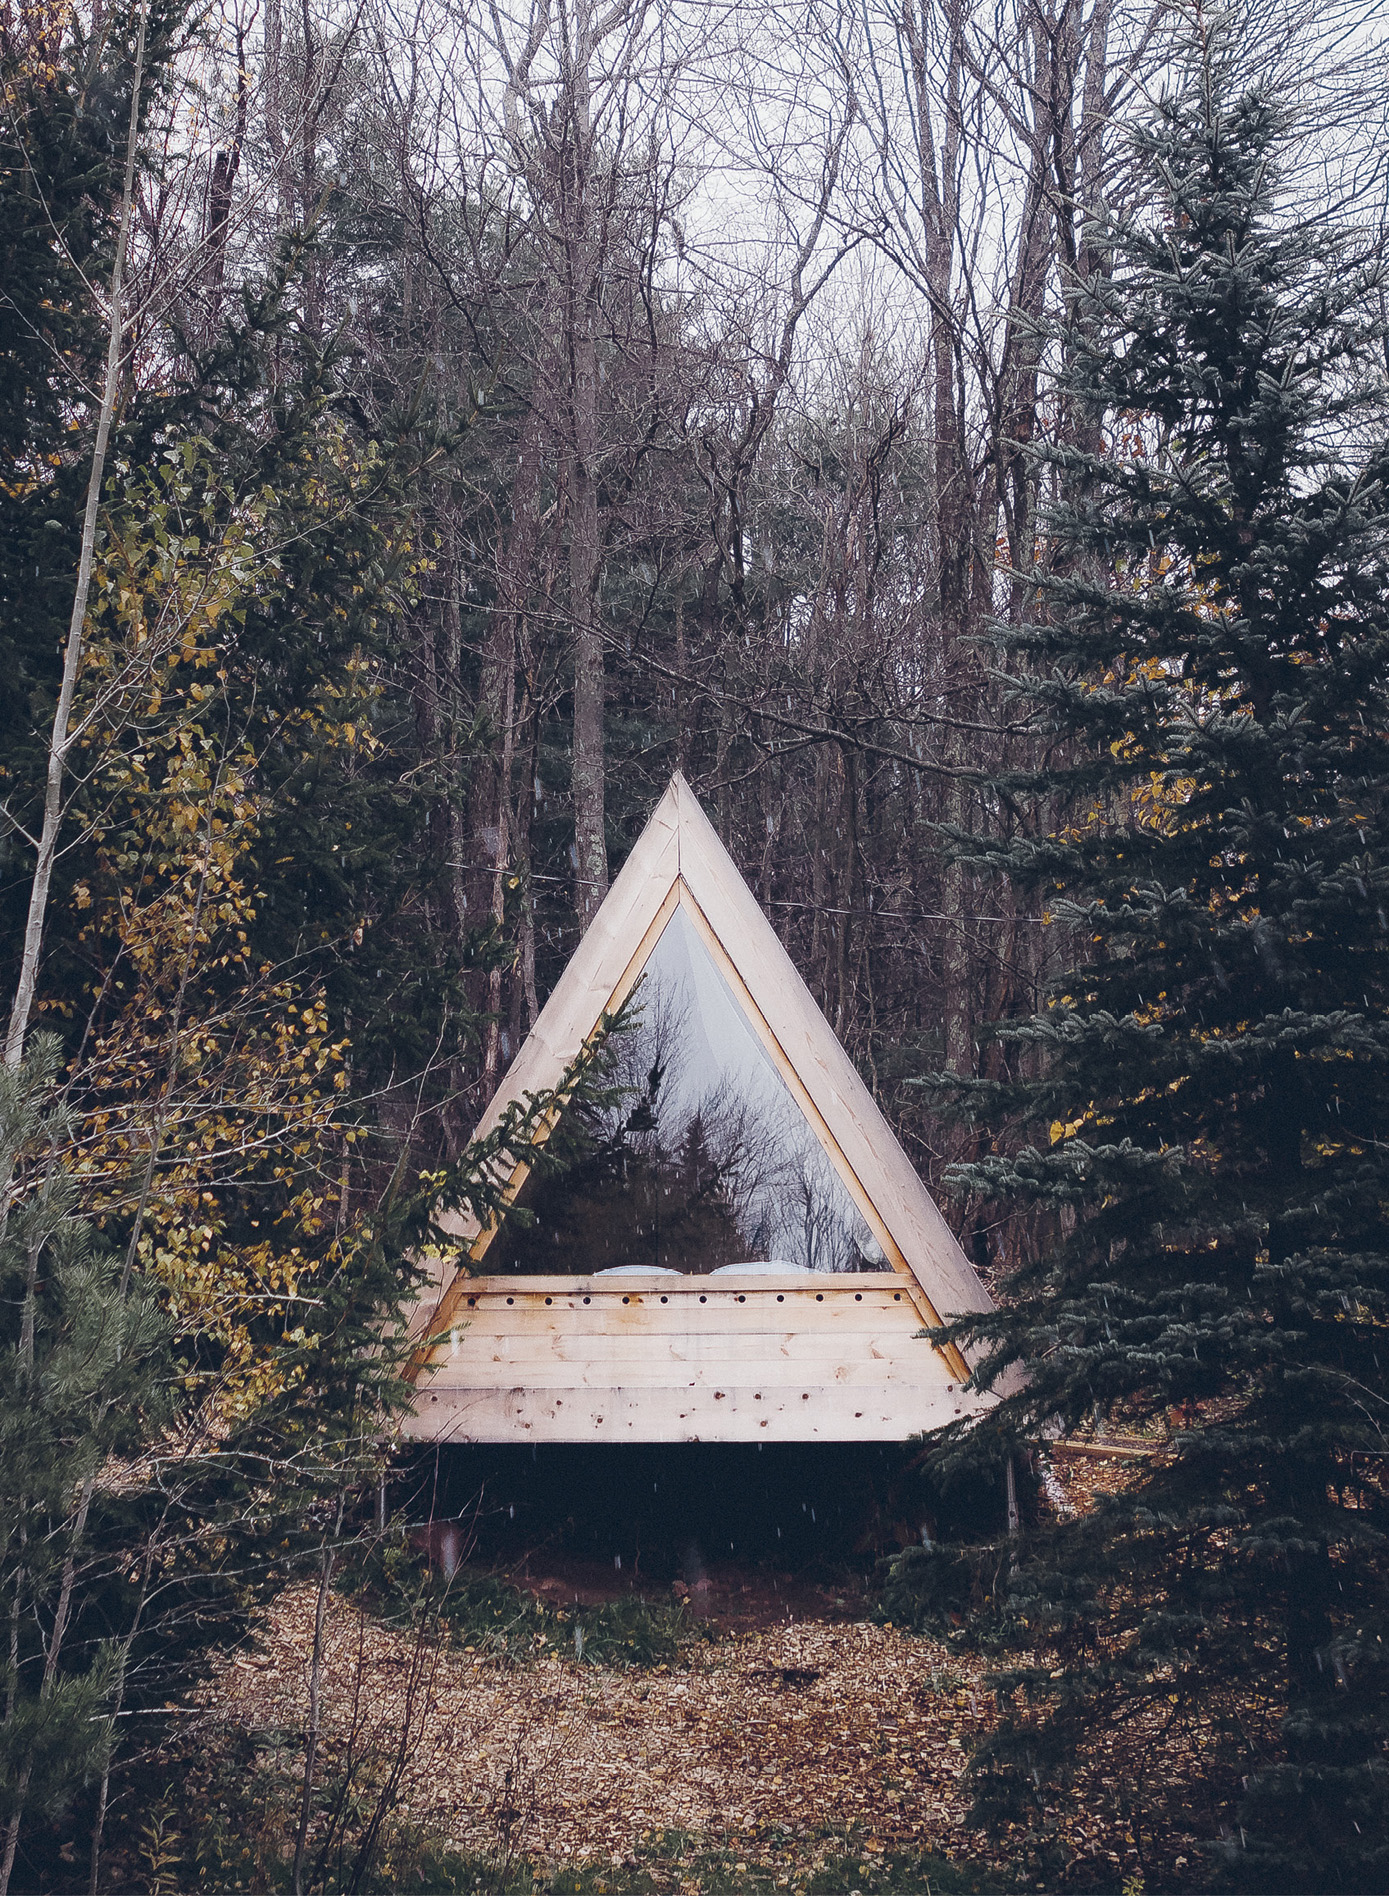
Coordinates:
(311, 1738)
(589, 766)
(61, 737)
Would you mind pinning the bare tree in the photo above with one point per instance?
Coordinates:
(574, 123)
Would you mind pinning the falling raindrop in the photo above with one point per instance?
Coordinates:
(511, 1510)
(812, 1517)
(579, 1641)
(617, 1562)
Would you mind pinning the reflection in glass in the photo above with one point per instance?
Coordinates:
(705, 1162)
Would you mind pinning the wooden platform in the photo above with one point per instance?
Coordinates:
(721, 1358)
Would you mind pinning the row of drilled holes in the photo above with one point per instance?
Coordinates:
(627, 1298)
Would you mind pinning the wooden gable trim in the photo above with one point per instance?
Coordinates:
(575, 1007)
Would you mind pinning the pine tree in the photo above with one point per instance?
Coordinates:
(84, 1368)
(1208, 1106)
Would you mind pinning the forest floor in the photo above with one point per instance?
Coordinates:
(785, 1741)
(795, 1743)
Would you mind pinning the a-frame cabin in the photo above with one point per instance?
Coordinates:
(808, 1256)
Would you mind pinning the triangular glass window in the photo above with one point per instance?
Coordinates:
(707, 1161)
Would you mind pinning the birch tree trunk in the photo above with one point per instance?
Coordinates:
(62, 736)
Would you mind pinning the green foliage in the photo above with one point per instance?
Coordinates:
(631, 1633)
(936, 1590)
(218, 1826)
(84, 1367)
(64, 117)
(900, 1872)
(308, 682)
(1208, 1110)
(237, 832)
(500, 1622)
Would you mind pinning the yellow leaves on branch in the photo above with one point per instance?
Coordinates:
(208, 1088)
(226, 1121)
(32, 39)
(1160, 804)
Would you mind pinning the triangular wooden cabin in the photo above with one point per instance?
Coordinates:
(807, 1255)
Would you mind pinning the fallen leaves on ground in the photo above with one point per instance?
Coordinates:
(807, 1727)
(786, 1741)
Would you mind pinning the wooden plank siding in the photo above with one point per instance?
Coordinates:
(650, 1359)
